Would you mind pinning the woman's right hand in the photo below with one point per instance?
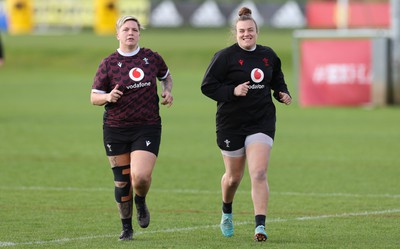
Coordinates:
(242, 89)
(114, 95)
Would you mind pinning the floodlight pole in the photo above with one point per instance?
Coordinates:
(395, 47)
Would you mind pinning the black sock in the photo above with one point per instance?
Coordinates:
(127, 224)
(260, 220)
(139, 199)
(227, 208)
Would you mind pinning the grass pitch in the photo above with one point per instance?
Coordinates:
(334, 172)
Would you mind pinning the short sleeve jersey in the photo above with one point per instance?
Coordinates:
(136, 76)
(254, 112)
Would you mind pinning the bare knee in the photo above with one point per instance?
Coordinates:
(141, 180)
(259, 176)
(232, 180)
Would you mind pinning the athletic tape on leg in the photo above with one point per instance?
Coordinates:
(122, 180)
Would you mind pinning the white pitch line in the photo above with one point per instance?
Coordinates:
(338, 195)
(183, 229)
(196, 191)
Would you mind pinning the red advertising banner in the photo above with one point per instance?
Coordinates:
(320, 14)
(335, 72)
(360, 15)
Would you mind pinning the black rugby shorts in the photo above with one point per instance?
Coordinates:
(231, 142)
(119, 141)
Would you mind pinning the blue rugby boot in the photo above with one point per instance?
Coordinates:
(260, 234)
(226, 225)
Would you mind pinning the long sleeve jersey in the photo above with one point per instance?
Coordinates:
(254, 112)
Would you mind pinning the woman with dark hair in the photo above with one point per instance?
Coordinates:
(240, 78)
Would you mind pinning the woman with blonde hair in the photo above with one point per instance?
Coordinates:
(126, 85)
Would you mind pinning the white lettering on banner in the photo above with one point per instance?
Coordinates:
(335, 74)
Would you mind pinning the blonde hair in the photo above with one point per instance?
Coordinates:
(124, 19)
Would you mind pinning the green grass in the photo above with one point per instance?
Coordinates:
(333, 173)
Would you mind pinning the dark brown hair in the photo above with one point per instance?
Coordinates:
(244, 15)
(244, 11)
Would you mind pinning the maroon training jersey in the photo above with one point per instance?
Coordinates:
(136, 74)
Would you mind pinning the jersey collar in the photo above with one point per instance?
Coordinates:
(250, 50)
(129, 54)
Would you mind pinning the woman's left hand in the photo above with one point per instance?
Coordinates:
(285, 98)
(167, 98)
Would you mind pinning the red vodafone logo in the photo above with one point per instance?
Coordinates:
(257, 75)
(136, 74)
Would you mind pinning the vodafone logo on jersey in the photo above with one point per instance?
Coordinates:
(257, 75)
(136, 74)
